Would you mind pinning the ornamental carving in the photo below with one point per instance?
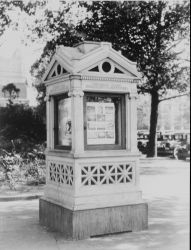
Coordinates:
(102, 174)
(76, 92)
(133, 96)
(61, 173)
(115, 79)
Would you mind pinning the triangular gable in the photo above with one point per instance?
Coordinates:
(102, 60)
(122, 64)
(55, 71)
(108, 66)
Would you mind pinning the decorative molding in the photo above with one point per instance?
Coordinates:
(106, 78)
(115, 87)
(133, 95)
(61, 173)
(56, 80)
(107, 173)
(76, 92)
(59, 88)
(75, 76)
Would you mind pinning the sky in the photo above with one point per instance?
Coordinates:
(11, 41)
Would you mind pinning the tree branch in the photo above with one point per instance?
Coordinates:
(178, 41)
(172, 97)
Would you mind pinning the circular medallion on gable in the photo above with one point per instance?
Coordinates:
(106, 67)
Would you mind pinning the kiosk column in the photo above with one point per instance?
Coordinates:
(92, 184)
(77, 94)
(133, 112)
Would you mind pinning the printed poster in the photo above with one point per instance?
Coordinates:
(100, 123)
(64, 122)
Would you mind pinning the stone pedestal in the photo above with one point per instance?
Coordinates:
(83, 224)
(91, 196)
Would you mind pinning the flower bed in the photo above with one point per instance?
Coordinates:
(16, 171)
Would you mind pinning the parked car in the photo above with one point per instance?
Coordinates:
(182, 152)
(142, 141)
(164, 148)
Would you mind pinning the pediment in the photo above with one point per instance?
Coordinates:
(102, 60)
(56, 70)
(108, 66)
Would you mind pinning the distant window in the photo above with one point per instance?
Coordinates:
(95, 69)
(118, 71)
(58, 69)
(54, 74)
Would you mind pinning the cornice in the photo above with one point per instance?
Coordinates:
(56, 80)
(107, 78)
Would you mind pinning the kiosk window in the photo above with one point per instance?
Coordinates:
(63, 125)
(104, 121)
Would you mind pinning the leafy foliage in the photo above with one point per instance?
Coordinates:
(22, 124)
(15, 169)
(4, 18)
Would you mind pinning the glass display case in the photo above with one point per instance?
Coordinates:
(63, 123)
(104, 118)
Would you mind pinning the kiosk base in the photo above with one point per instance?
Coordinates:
(83, 224)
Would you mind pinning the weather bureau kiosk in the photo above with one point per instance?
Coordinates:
(92, 182)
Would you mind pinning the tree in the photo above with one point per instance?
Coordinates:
(145, 32)
(143, 113)
(4, 18)
(11, 92)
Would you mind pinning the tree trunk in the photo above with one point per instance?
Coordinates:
(152, 152)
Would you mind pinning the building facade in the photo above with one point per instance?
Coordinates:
(11, 72)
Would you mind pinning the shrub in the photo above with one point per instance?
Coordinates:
(15, 169)
(21, 128)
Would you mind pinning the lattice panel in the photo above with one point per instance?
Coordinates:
(106, 174)
(61, 173)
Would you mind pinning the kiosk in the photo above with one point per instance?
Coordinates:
(92, 158)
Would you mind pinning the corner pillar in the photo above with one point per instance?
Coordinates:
(131, 122)
(50, 121)
(77, 94)
(133, 101)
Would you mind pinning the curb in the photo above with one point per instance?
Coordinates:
(20, 197)
(154, 158)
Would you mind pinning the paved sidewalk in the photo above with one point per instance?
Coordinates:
(21, 193)
(165, 186)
